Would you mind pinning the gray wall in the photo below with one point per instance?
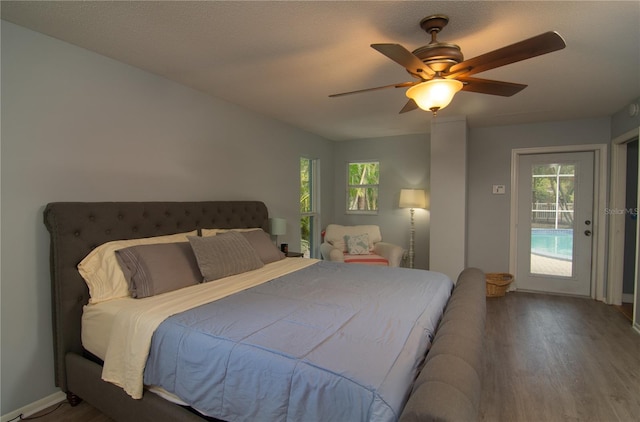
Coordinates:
(490, 163)
(404, 163)
(77, 126)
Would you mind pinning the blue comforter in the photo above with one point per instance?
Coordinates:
(330, 342)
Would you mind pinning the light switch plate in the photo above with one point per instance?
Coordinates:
(498, 189)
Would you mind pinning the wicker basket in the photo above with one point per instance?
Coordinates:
(498, 283)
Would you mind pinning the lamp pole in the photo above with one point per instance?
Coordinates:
(412, 198)
(411, 240)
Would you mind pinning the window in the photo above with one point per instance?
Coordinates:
(309, 206)
(363, 179)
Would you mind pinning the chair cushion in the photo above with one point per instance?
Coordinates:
(369, 259)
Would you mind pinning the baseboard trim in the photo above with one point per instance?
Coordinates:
(627, 298)
(35, 407)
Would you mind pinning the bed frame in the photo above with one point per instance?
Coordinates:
(448, 387)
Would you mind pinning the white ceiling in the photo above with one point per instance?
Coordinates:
(283, 58)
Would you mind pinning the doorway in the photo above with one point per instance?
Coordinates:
(597, 267)
(630, 228)
(555, 216)
(622, 213)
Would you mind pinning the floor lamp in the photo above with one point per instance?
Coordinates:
(412, 198)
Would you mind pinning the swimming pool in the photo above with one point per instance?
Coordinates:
(552, 243)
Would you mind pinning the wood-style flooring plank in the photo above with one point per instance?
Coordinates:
(557, 358)
(63, 412)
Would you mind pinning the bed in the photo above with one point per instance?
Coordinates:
(446, 385)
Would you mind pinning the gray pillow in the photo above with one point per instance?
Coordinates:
(158, 268)
(224, 254)
(261, 242)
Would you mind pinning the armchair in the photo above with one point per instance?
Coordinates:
(359, 244)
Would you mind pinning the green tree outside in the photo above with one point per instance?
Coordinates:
(364, 178)
(547, 180)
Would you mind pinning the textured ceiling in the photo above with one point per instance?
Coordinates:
(283, 58)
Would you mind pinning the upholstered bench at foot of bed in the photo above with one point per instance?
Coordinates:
(449, 386)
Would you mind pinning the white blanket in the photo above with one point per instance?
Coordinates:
(135, 320)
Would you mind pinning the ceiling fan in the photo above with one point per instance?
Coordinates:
(440, 69)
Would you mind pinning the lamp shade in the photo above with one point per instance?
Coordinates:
(277, 226)
(435, 94)
(412, 198)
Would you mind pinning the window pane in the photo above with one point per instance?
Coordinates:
(363, 199)
(306, 235)
(364, 173)
(552, 200)
(305, 185)
(309, 232)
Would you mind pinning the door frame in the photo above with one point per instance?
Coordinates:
(598, 252)
(616, 221)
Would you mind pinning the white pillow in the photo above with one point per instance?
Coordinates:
(213, 232)
(358, 244)
(101, 270)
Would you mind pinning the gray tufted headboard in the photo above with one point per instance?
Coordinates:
(78, 227)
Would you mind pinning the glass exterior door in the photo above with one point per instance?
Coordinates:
(555, 208)
(552, 219)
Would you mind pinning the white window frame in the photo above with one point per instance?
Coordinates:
(314, 212)
(349, 186)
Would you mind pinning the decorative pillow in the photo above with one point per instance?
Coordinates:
(224, 254)
(261, 242)
(160, 268)
(102, 273)
(358, 244)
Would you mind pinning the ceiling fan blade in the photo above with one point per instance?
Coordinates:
(409, 106)
(398, 85)
(486, 86)
(405, 58)
(532, 47)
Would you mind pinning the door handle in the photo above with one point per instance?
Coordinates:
(587, 232)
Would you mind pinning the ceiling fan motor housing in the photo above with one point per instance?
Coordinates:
(438, 56)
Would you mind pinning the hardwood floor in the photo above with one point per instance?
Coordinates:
(63, 412)
(627, 310)
(549, 358)
(556, 358)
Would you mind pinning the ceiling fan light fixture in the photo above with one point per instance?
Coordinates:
(435, 94)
